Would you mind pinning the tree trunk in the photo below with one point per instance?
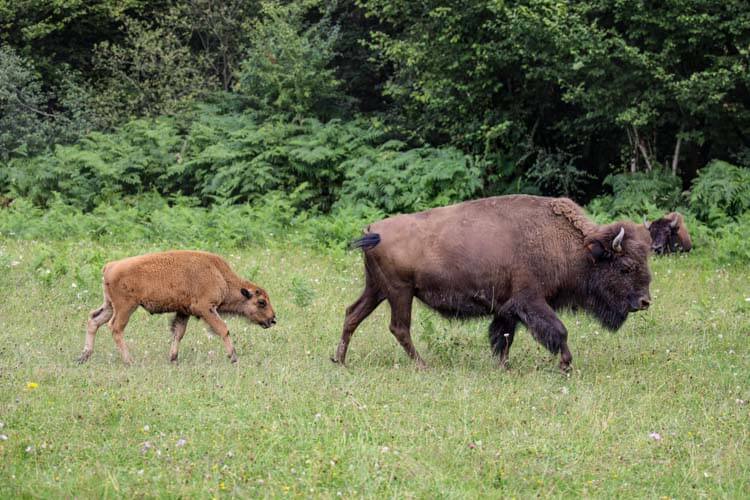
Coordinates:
(633, 140)
(644, 153)
(676, 157)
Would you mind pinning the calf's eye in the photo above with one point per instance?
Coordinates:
(261, 303)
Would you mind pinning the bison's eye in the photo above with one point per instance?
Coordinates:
(626, 269)
(261, 303)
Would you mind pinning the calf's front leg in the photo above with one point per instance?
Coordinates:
(211, 316)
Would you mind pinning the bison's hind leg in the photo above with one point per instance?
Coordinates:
(400, 303)
(502, 331)
(371, 297)
(96, 319)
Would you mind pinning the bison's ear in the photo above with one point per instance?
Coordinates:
(597, 251)
(246, 293)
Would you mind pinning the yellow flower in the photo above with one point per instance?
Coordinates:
(222, 486)
(31, 386)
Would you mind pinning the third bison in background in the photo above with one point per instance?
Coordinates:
(669, 234)
(514, 258)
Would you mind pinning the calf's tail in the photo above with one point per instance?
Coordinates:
(366, 242)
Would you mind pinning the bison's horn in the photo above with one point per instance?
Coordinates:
(617, 242)
(646, 222)
(674, 222)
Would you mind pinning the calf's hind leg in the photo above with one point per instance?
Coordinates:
(179, 324)
(96, 319)
(117, 324)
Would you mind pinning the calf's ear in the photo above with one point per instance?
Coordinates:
(246, 293)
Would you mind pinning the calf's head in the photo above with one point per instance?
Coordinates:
(256, 306)
(618, 276)
(669, 234)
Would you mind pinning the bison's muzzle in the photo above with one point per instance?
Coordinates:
(639, 303)
(268, 323)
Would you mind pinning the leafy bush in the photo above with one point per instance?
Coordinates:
(556, 174)
(400, 180)
(641, 193)
(101, 167)
(720, 191)
(232, 158)
(731, 244)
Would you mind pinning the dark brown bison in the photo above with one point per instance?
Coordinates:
(669, 234)
(514, 258)
(183, 282)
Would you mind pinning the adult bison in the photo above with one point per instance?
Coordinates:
(669, 234)
(514, 258)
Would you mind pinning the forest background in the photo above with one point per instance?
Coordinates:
(311, 118)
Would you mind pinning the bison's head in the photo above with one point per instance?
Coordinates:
(619, 277)
(669, 234)
(257, 306)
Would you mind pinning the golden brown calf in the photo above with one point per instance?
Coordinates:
(186, 283)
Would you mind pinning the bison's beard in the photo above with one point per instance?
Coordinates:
(610, 314)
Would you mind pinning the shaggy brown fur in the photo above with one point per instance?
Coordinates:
(514, 258)
(186, 283)
(670, 234)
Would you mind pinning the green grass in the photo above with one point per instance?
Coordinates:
(285, 421)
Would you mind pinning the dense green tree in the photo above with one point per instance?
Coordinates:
(629, 83)
(288, 69)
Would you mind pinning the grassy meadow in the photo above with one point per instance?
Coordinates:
(658, 409)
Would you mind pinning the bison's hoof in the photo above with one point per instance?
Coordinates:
(83, 357)
(337, 360)
(565, 367)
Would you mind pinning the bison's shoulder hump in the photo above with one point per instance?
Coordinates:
(570, 210)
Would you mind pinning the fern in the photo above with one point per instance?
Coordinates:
(719, 192)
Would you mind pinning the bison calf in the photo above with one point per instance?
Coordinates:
(516, 259)
(186, 283)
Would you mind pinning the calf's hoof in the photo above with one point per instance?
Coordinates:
(85, 355)
(233, 357)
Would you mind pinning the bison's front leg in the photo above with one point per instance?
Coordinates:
(211, 316)
(546, 328)
(502, 331)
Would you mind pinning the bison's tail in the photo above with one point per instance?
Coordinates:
(366, 242)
